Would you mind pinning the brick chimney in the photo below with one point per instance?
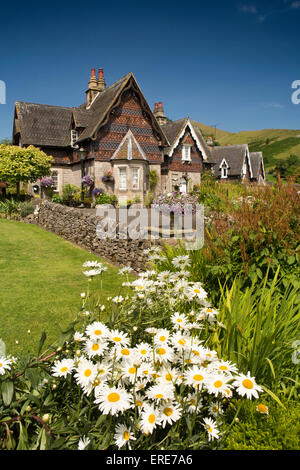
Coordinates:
(95, 85)
(101, 81)
(159, 113)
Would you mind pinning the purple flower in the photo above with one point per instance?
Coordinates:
(98, 191)
(47, 182)
(87, 180)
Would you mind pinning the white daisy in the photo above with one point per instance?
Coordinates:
(196, 291)
(125, 270)
(86, 372)
(123, 353)
(196, 376)
(95, 348)
(164, 353)
(83, 443)
(119, 338)
(161, 337)
(150, 419)
(193, 403)
(79, 336)
(123, 434)
(92, 264)
(179, 320)
(162, 391)
(181, 261)
(4, 365)
(218, 383)
(143, 351)
(97, 331)
(170, 413)
(246, 385)
(215, 409)
(62, 368)
(118, 299)
(113, 400)
(211, 428)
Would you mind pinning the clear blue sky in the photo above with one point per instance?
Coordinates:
(229, 63)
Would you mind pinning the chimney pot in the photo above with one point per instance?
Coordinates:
(100, 73)
(93, 72)
(155, 105)
(160, 104)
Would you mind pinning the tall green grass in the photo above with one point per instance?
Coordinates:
(262, 323)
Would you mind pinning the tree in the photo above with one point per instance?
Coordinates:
(6, 141)
(20, 164)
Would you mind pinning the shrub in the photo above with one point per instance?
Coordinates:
(277, 430)
(26, 208)
(57, 198)
(103, 199)
(68, 192)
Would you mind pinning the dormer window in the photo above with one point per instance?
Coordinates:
(186, 153)
(74, 137)
(224, 169)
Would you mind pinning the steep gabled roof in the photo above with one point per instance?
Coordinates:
(81, 116)
(176, 129)
(256, 159)
(234, 156)
(41, 124)
(105, 101)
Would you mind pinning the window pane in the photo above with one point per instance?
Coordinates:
(122, 182)
(135, 178)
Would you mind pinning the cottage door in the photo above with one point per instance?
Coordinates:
(183, 186)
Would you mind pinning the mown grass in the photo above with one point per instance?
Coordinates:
(41, 281)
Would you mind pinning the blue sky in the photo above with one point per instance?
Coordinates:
(225, 63)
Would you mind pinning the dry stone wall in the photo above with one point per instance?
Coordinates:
(79, 227)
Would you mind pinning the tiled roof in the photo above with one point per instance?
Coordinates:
(173, 129)
(256, 159)
(234, 156)
(41, 124)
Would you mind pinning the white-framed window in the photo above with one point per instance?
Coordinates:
(186, 153)
(122, 178)
(54, 176)
(74, 137)
(135, 178)
(224, 171)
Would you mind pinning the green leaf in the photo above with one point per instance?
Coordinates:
(273, 396)
(42, 341)
(7, 392)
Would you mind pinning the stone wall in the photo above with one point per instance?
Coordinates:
(79, 227)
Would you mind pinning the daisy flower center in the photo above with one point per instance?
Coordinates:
(159, 395)
(161, 351)
(223, 367)
(162, 338)
(143, 351)
(247, 383)
(168, 377)
(98, 332)
(117, 339)
(218, 383)
(197, 291)
(198, 377)
(95, 347)
(63, 369)
(87, 372)
(182, 342)
(262, 408)
(132, 370)
(113, 397)
(151, 418)
(125, 352)
(126, 435)
(168, 411)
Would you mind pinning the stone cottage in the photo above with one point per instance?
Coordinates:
(124, 137)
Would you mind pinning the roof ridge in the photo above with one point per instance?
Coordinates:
(42, 104)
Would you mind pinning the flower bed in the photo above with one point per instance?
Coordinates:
(131, 372)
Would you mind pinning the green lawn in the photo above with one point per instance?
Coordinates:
(41, 282)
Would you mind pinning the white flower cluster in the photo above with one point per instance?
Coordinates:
(153, 383)
(5, 363)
